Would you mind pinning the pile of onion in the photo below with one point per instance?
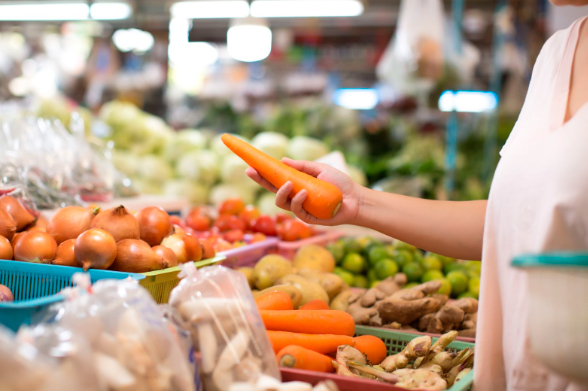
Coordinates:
(7, 225)
(40, 225)
(154, 225)
(95, 249)
(169, 257)
(35, 247)
(21, 216)
(66, 255)
(136, 256)
(186, 247)
(118, 222)
(5, 249)
(70, 222)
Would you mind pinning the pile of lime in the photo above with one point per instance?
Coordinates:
(363, 262)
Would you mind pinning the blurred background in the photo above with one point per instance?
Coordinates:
(418, 96)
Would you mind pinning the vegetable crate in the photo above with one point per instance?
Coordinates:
(35, 287)
(288, 249)
(161, 282)
(395, 341)
(249, 254)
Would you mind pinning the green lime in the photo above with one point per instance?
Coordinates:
(414, 271)
(345, 276)
(337, 249)
(371, 275)
(431, 275)
(361, 282)
(432, 263)
(410, 285)
(404, 246)
(452, 267)
(374, 283)
(376, 254)
(353, 263)
(467, 294)
(386, 268)
(417, 256)
(474, 286)
(445, 286)
(353, 246)
(459, 282)
(402, 257)
(390, 251)
(474, 267)
(445, 260)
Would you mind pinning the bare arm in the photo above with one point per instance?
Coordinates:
(448, 228)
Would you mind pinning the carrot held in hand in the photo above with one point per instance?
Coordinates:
(373, 347)
(323, 200)
(310, 322)
(276, 300)
(320, 343)
(300, 358)
(315, 304)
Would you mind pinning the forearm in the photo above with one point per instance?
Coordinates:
(448, 228)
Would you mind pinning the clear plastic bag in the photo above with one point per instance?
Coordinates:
(226, 327)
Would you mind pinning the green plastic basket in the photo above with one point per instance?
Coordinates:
(161, 282)
(396, 341)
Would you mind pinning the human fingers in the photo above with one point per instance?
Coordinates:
(253, 174)
(282, 196)
(311, 168)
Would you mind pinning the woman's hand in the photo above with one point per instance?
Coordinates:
(351, 192)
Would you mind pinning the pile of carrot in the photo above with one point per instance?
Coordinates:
(308, 338)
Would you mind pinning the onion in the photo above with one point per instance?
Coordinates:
(136, 256)
(95, 249)
(186, 247)
(207, 248)
(21, 216)
(5, 249)
(118, 222)
(66, 255)
(70, 222)
(154, 225)
(5, 294)
(17, 237)
(40, 225)
(167, 254)
(7, 225)
(35, 247)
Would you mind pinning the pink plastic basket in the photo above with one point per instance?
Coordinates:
(288, 249)
(249, 254)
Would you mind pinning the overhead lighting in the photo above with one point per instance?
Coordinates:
(249, 40)
(356, 98)
(39, 11)
(305, 8)
(137, 41)
(468, 101)
(210, 9)
(110, 11)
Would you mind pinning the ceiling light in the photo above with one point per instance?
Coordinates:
(305, 8)
(110, 11)
(135, 40)
(249, 40)
(467, 101)
(210, 9)
(356, 98)
(38, 11)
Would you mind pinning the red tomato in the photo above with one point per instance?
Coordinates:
(229, 222)
(265, 225)
(293, 230)
(233, 235)
(249, 214)
(198, 221)
(258, 237)
(232, 206)
(176, 220)
(282, 217)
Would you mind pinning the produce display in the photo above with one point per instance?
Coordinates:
(111, 239)
(363, 262)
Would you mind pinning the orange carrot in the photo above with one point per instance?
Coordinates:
(301, 358)
(276, 300)
(315, 304)
(373, 347)
(323, 199)
(320, 343)
(311, 322)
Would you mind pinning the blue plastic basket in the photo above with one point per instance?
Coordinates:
(35, 287)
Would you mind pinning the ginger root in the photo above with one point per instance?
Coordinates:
(406, 306)
(421, 379)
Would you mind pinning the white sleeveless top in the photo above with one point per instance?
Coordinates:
(538, 202)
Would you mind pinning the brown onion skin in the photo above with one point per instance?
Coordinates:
(7, 225)
(95, 249)
(6, 251)
(136, 256)
(207, 249)
(154, 225)
(5, 294)
(168, 255)
(193, 247)
(66, 255)
(18, 236)
(40, 225)
(35, 247)
(118, 222)
(21, 216)
(69, 222)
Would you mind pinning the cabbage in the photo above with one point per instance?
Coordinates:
(267, 204)
(274, 144)
(225, 191)
(193, 192)
(217, 146)
(233, 170)
(155, 169)
(145, 186)
(126, 162)
(184, 141)
(357, 175)
(199, 166)
(306, 148)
